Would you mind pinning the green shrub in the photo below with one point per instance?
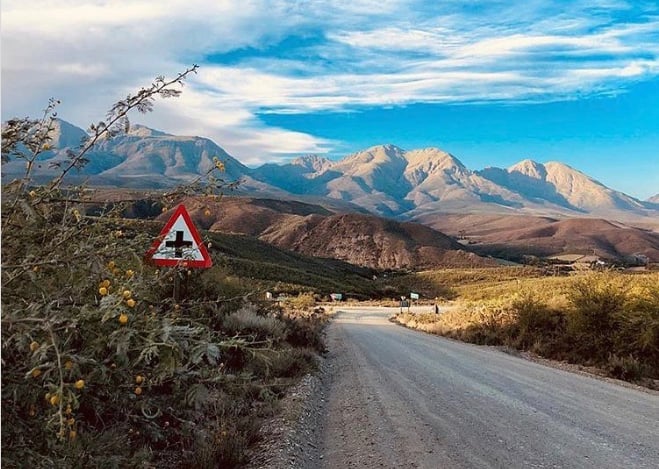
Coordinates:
(628, 368)
(101, 367)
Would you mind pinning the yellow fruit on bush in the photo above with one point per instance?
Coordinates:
(46, 147)
(73, 434)
(131, 303)
(35, 268)
(68, 410)
(139, 379)
(80, 384)
(123, 318)
(103, 291)
(129, 273)
(36, 373)
(207, 212)
(33, 194)
(34, 345)
(105, 283)
(54, 400)
(68, 365)
(71, 421)
(138, 390)
(127, 294)
(111, 265)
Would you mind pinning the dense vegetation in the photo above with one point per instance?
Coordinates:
(101, 365)
(608, 320)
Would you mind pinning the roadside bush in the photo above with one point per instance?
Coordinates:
(247, 321)
(628, 368)
(101, 367)
(536, 327)
(597, 305)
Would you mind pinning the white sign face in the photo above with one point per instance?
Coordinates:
(179, 244)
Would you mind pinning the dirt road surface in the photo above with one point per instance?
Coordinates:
(404, 399)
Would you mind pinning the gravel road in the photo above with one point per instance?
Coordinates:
(399, 398)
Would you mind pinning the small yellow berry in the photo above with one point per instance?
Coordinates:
(129, 273)
(103, 291)
(32, 194)
(35, 268)
(138, 390)
(80, 384)
(105, 283)
(68, 365)
(207, 212)
(72, 435)
(127, 294)
(36, 373)
(54, 400)
(139, 379)
(68, 410)
(164, 209)
(131, 303)
(123, 318)
(70, 422)
(34, 346)
(111, 265)
(46, 147)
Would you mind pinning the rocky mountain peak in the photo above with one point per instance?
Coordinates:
(138, 130)
(530, 169)
(315, 163)
(65, 135)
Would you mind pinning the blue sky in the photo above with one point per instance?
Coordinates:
(492, 82)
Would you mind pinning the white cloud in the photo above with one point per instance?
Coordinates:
(374, 52)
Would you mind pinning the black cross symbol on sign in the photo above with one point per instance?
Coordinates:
(178, 244)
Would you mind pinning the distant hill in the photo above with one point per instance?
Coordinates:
(362, 240)
(545, 236)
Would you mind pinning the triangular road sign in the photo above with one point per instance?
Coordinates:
(179, 244)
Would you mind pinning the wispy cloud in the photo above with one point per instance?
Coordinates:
(363, 53)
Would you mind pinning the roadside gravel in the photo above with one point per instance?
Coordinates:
(292, 440)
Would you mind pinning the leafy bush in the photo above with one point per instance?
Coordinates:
(597, 304)
(102, 367)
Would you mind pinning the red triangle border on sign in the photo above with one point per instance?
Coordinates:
(203, 264)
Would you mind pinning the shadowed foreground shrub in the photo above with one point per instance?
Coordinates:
(100, 366)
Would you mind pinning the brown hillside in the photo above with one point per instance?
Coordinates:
(370, 241)
(547, 236)
(363, 240)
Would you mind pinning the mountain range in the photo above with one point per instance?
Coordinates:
(385, 180)
(528, 205)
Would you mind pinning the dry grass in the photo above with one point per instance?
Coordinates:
(609, 320)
